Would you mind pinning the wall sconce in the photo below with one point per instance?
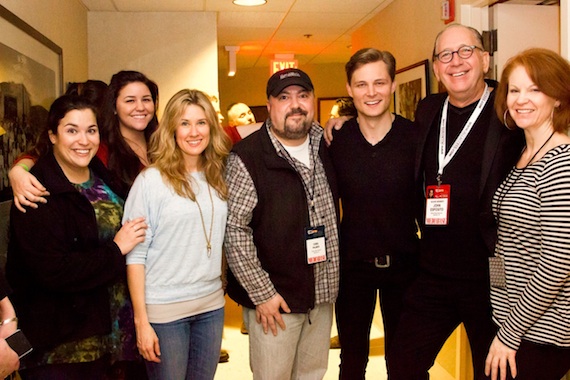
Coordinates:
(232, 50)
(249, 3)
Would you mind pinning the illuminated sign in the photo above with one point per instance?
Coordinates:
(279, 64)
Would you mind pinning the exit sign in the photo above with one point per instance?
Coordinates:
(278, 65)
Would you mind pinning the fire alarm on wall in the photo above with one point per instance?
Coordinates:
(445, 10)
(448, 10)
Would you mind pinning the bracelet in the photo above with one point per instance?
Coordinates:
(26, 168)
(9, 320)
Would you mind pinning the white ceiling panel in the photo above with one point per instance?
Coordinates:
(279, 26)
(317, 21)
(241, 20)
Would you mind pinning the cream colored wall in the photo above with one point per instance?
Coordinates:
(523, 26)
(62, 21)
(565, 29)
(176, 50)
(248, 86)
(406, 28)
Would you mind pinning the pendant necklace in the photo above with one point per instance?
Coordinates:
(206, 235)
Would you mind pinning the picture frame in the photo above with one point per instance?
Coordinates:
(31, 78)
(260, 113)
(412, 85)
(324, 106)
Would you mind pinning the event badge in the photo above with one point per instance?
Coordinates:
(437, 205)
(315, 240)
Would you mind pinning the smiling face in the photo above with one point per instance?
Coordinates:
(462, 77)
(292, 113)
(371, 89)
(193, 135)
(529, 107)
(135, 107)
(76, 142)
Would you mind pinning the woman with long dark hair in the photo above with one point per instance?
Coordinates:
(64, 256)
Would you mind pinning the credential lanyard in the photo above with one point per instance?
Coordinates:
(443, 158)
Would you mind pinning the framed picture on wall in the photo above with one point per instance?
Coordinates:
(324, 106)
(260, 113)
(412, 85)
(31, 78)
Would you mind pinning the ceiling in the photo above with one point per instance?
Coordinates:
(315, 31)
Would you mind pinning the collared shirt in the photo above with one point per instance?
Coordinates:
(242, 253)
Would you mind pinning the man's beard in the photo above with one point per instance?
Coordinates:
(294, 130)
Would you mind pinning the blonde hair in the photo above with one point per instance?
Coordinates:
(167, 157)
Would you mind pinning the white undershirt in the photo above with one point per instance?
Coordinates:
(300, 152)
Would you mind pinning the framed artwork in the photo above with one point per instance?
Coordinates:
(260, 113)
(412, 85)
(31, 78)
(324, 106)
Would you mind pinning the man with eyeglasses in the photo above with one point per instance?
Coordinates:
(464, 154)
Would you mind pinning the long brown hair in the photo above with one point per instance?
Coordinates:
(123, 162)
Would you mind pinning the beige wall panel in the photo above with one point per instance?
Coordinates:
(175, 49)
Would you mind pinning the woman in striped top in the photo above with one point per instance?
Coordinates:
(531, 297)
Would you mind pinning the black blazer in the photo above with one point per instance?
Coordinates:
(58, 269)
(500, 152)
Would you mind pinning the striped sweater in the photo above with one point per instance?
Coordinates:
(532, 207)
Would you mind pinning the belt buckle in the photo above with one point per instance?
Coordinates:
(379, 264)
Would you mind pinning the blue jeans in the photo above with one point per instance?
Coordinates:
(189, 347)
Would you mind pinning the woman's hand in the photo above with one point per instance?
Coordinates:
(28, 191)
(499, 356)
(8, 329)
(131, 233)
(9, 361)
(147, 343)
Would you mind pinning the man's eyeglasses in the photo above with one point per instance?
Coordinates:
(464, 52)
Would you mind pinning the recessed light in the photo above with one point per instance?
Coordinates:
(249, 3)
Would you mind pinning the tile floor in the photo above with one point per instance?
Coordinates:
(237, 345)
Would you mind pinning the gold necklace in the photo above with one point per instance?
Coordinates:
(206, 235)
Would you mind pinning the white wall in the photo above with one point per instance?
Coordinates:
(565, 29)
(524, 26)
(176, 50)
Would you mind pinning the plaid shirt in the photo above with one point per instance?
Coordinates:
(239, 245)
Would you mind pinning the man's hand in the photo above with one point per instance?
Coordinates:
(269, 316)
(499, 356)
(334, 123)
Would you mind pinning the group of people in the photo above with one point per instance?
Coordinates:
(487, 165)
(119, 221)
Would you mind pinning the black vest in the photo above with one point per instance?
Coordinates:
(279, 221)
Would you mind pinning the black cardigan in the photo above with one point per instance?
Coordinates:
(58, 270)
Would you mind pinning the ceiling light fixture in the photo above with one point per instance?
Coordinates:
(232, 68)
(249, 3)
